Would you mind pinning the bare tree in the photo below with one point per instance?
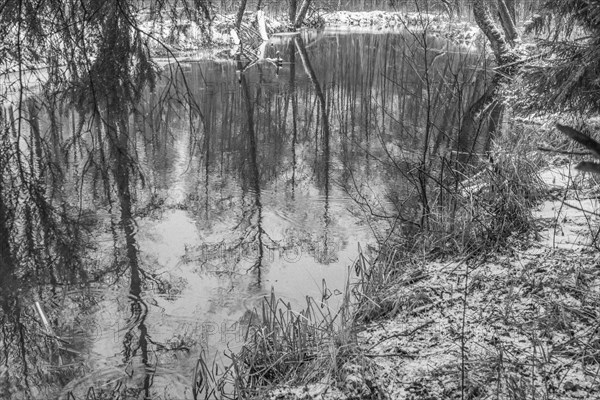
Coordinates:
(502, 38)
(495, 20)
(240, 14)
(302, 13)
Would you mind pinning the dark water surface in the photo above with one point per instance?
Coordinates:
(137, 234)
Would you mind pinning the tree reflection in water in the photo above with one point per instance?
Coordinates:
(135, 211)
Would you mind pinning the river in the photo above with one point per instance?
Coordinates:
(137, 232)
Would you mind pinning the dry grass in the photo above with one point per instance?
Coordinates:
(519, 326)
(284, 347)
(480, 207)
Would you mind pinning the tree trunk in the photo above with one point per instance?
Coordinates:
(240, 14)
(507, 67)
(262, 26)
(205, 7)
(293, 9)
(301, 14)
(486, 23)
(512, 9)
(470, 124)
(508, 22)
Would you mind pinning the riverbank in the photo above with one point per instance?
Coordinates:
(514, 324)
(185, 40)
(459, 32)
(518, 321)
(184, 36)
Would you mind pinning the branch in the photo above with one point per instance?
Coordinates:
(569, 153)
(581, 138)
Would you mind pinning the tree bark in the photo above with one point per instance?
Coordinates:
(301, 14)
(486, 23)
(508, 22)
(240, 14)
(293, 9)
(470, 129)
(205, 7)
(262, 26)
(512, 9)
(501, 39)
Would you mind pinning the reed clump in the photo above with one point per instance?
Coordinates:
(496, 204)
(477, 207)
(483, 213)
(291, 348)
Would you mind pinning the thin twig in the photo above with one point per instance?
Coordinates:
(403, 333)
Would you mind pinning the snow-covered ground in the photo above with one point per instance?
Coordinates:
(520, 324)
(524, 321)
